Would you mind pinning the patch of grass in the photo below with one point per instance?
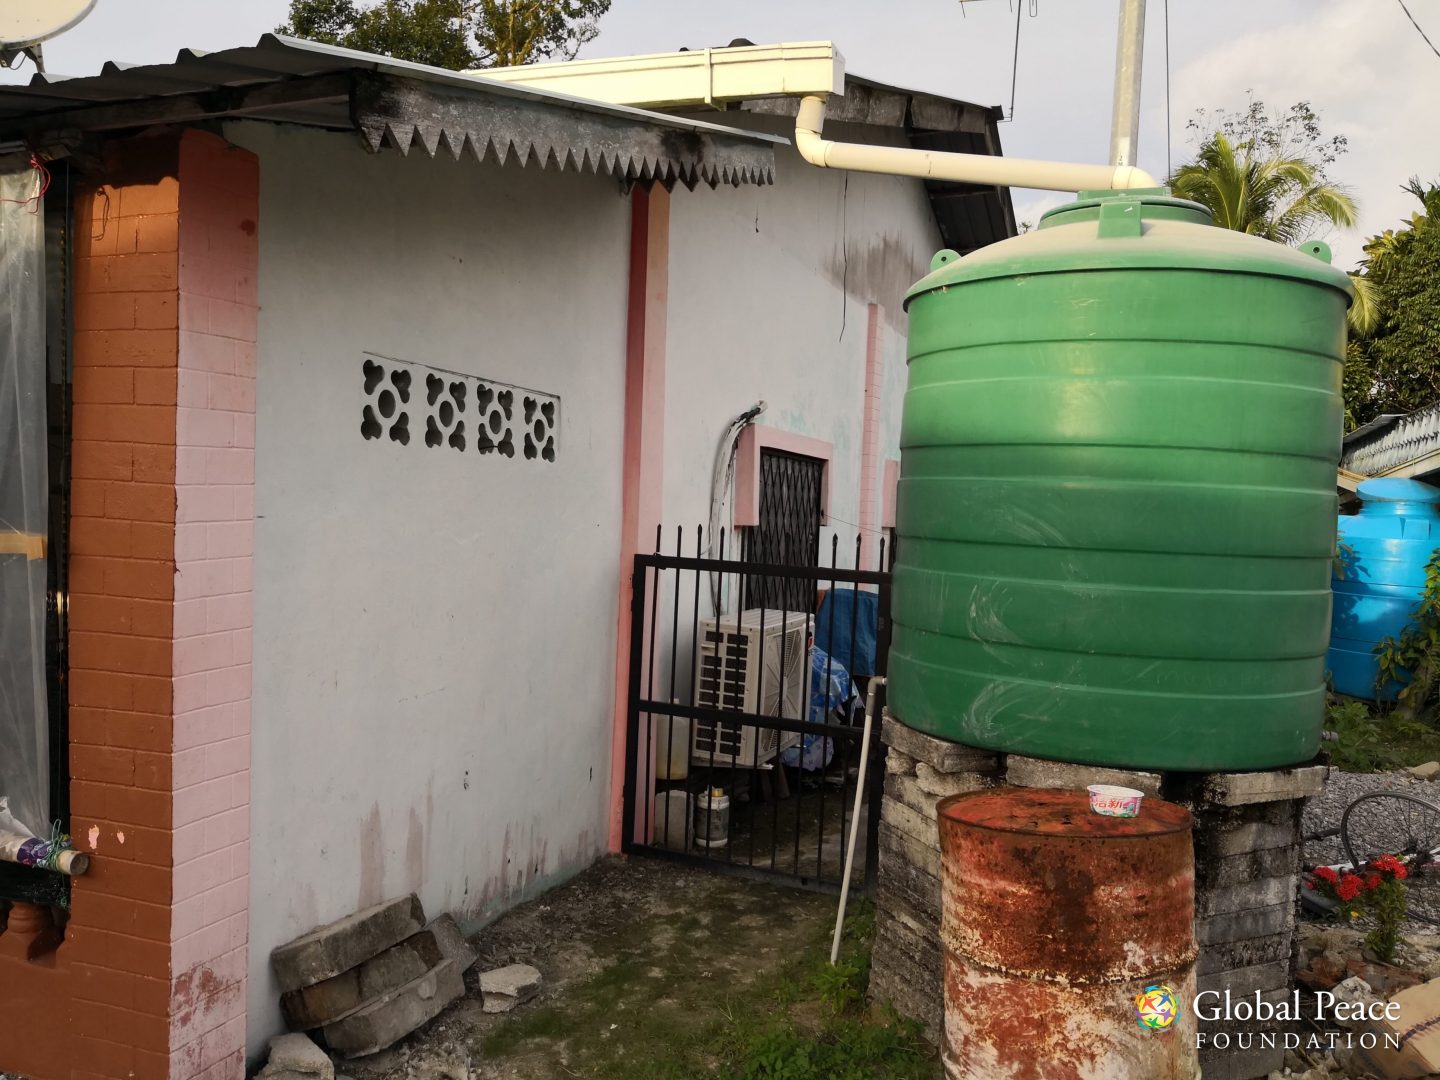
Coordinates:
(1375, 741)
(758, 1001)
(546, 1022)
(849, 1048)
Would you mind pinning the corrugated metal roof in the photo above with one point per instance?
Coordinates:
(390, 102)
(1395, 445)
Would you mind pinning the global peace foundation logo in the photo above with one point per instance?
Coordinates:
(1157, 1008)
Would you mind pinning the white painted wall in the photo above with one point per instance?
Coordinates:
(768, 295)
(434, 630)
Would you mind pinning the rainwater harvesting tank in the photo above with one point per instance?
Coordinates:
(1117, 494)
(1379, 576)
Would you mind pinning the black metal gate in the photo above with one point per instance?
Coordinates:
(744, 727)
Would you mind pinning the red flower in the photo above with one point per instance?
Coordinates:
(1309, 884)
(1389, 864)
(1373, 880)
(1327, 873)
(1349, 887)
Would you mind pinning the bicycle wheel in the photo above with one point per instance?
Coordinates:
(1390, 823)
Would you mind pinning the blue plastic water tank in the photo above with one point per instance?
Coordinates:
(1381, 574)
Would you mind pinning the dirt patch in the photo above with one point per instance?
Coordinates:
(651, 970)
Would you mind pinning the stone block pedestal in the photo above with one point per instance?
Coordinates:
(1247, 862)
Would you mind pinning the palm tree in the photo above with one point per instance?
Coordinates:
(1279, 198)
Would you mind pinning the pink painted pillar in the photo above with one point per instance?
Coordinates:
(644, 453)
(870, 442)
(214, 545)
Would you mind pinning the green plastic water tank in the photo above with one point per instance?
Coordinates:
(1116, 512)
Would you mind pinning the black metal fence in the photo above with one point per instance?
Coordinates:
(745, 720)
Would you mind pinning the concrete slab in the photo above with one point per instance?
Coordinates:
(1232, 955)
(912, 823)
(1266, 892)
(1274, 785)
(330, 1000)
(1243, 925)
(925, 856)
(1031, 772)
(503, 988)
(393, 1016)
(942, 785)
(341, 945)
(296, 1055)
(453, 945)
(1243, 982)
(947, 757)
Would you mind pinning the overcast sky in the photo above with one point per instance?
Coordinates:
(1360, 62)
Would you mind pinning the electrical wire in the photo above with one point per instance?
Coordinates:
(42, 185)
(1417, 27)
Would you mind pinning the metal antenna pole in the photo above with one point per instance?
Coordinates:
(1125, 120)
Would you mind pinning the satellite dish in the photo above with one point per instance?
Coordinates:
(24, 24)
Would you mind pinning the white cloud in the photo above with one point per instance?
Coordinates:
(1370, 78)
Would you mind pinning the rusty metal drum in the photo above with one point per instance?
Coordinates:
(1062, 932)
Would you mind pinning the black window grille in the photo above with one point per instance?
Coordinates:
(789, 530)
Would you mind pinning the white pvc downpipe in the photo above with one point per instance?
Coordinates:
(962, 168)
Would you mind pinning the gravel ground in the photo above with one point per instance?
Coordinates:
(1383, 824)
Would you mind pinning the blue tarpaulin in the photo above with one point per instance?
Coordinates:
(852, 611)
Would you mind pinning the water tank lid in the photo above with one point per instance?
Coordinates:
(1393, 489)
(1118, 230)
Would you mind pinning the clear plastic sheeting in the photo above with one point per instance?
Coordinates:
(24, 726)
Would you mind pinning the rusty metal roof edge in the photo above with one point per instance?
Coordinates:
(351, 59)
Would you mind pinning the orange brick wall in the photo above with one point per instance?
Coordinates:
(149, 981)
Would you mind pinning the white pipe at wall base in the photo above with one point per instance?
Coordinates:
(962, 168)
(875, 684)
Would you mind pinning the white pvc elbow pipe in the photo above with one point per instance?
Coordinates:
(962, 168)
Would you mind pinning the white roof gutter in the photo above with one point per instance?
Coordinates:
(712, 77)
(810, 71)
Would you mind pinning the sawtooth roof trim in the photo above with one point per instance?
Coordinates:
(390, 102)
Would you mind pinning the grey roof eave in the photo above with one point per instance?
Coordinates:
(462, 113)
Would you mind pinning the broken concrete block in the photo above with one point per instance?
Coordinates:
(899, 763)
(1031, 772)
(912, 823)
(453, 945)
(1428, 771)
(947, 757)
(396, 1014)
(504, 988)
(1246, 897)
(907, 790)
(327, 1001)
(341, 945)
(943, 785)
(1251, 922)
(1276, 785)
(1244, 982)
(904, 846)
(296, 1056)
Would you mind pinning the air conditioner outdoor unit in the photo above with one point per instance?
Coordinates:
(747, 665)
